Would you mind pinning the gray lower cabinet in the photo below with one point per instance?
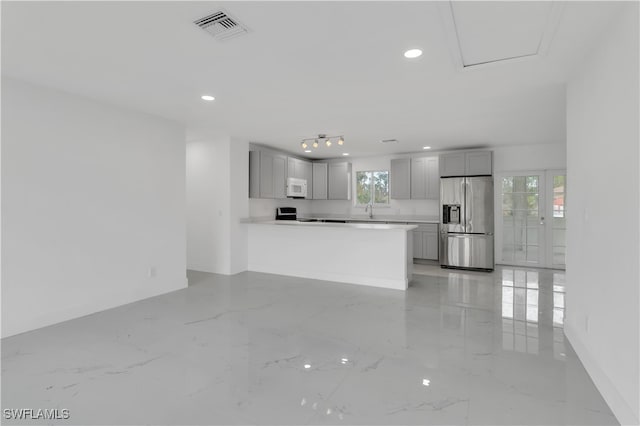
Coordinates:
(319, 181)
(430, 245)
(425, 241)
(267, 174)
(400, 179)
(339, 181)
(417, 244)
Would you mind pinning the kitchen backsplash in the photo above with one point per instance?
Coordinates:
(262, 208)
(395, 208)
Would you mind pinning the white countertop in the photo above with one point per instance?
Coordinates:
(376, 218)
(370, 226)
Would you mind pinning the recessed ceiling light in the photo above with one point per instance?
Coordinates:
(207, 98)
(426, 147)
(307, 150)
(345, 153)
(412, 53)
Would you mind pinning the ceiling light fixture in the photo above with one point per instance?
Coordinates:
(426, 147)
(345, 153)
(307, 150)
(412, 53)
(207, 98)
(317, 140)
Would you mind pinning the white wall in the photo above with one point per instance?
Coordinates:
(217, 200)
(208, 205)
(239, 204)
(92, 197)
(603, 235)
(529, 157)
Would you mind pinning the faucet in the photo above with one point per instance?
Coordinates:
(369, 208)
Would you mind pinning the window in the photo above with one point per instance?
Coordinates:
(372, 186)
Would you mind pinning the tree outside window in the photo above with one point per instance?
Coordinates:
(372, 186)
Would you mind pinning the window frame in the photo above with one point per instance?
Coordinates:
(372, 188)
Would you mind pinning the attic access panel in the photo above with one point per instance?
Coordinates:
(487, 32)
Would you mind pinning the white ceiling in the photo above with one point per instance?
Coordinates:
(305, 68)
(504, 30)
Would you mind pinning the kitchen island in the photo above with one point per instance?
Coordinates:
(373, 254)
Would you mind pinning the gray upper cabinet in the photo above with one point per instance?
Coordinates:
(254, 174)
(279, 176)
(472, 163)
(424, 178)
(307, 173)
(452, 164)
(400, 179)
(433, 177)
(339, 181)
(267, 174)
(319, 171)
(301, 169)
(418, 179)
(291, 167)
(478, 163)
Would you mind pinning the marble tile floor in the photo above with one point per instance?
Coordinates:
(456, 348)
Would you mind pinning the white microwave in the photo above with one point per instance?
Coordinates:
(296, 188)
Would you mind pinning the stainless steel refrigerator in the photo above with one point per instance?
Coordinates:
(466, 222)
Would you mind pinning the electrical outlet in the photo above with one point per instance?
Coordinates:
(151, 272)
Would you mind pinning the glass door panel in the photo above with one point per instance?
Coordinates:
(557, 211)
(520, 234)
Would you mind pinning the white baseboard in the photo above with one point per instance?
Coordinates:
(87, 307)
(607, 388)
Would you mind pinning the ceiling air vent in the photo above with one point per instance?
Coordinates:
(221, 25)
(389, 141)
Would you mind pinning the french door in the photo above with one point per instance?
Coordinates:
(531, 225)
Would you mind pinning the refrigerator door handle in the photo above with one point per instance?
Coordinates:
(464, 206)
